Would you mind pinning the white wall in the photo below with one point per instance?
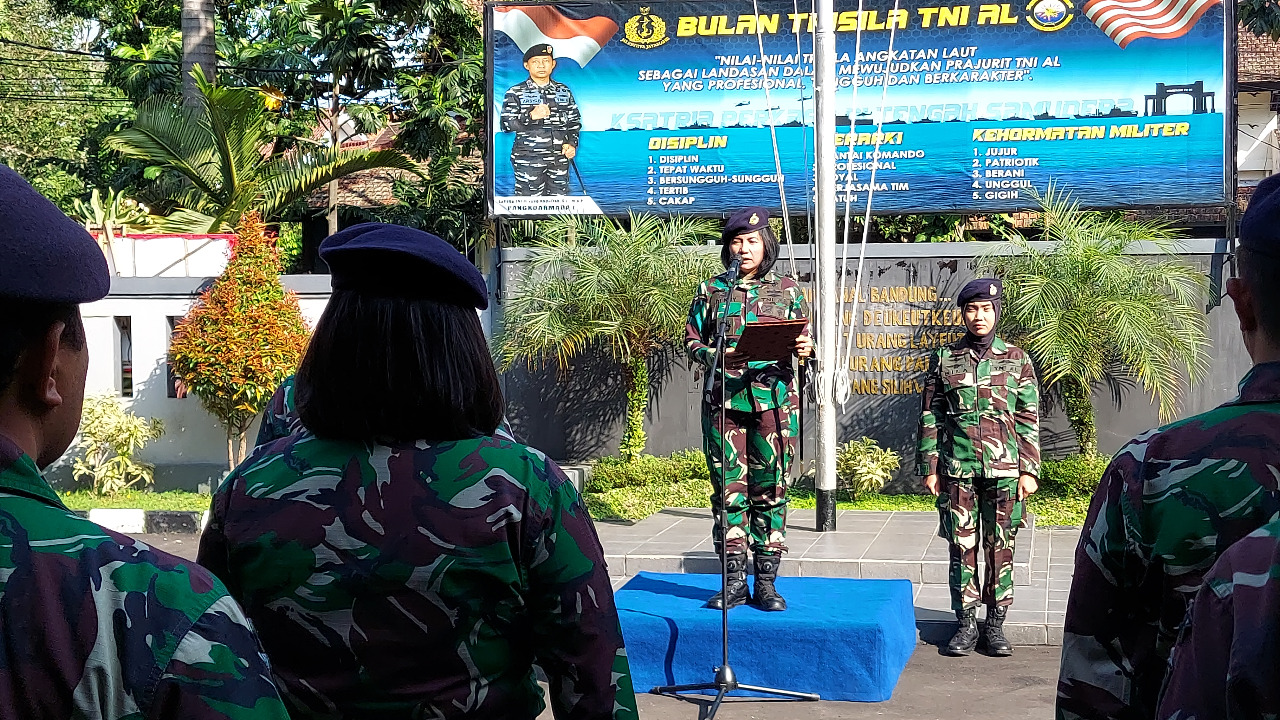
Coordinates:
(1256, 138)
(192, 436)
(171, 255)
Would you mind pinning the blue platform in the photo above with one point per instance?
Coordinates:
(844, 639)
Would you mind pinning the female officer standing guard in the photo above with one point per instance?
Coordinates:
(758, 435)
(980, 453)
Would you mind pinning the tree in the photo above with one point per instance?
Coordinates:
(242, 338)
(223, 152)
(1262, 17)
(1086, 311)
(53, 101)
(109, 438)
(595, 284)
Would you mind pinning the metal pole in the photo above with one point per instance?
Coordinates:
(824, 92)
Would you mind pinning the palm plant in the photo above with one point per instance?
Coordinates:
(223, 151)
(1086, 311)
(596, 285)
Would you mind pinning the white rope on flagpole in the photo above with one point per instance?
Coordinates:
(773, 134)
(842, 377)
(866, 220)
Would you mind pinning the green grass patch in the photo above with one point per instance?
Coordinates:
(634, 491)
(137, 499)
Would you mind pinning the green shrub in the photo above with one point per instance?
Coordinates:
(109, 436)
(615, 472)
(862, 466)
(1072, 476)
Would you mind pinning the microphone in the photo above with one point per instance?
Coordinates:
(735, 268)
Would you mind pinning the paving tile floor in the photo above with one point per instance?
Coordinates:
(865, 544)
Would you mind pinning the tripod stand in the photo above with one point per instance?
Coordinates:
(726, 680)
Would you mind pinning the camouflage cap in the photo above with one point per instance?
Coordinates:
(540, 50)
(47, 256)
(981, 290)
(1260, 226)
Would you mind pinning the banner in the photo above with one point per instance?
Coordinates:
(705, 107)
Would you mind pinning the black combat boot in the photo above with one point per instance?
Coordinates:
(767, 597)
(737, 563)
(997, 644)
(966, 637)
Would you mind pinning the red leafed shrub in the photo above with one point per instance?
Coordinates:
(242, 338)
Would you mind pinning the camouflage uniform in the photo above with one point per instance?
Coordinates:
(759, 434)
(979, 431)
(95, 624)
(537, 157)
(1227, 662)
(1170, 503)
(421, 580)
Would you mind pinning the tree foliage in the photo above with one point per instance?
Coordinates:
(1086, 311)
(594, 284)
(52, 112)
(242, 338)
(221, 150)
(109, 438)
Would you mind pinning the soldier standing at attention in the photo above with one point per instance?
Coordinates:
(1171, 502)
(758, 436)
(93, 624)
(545, 118)
(402, 559)
(979, 453)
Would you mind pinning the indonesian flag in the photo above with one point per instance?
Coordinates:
(535, 24)
(1127, 20)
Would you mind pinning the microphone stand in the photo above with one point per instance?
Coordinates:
(726, 681)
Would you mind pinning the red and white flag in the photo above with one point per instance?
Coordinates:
(1127, 20)
(535, 24)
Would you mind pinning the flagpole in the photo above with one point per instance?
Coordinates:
(826, 301)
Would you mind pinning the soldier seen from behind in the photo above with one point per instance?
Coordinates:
(758, 435)
(1171, 502)
(979, 452)
(545, 118)
(93, 624)
(401, 558)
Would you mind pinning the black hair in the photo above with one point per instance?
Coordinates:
(382, 369)
(1262, 274)
(24, 323)
(770, 250)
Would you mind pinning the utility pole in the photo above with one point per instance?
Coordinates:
(824, 90)
(198, 47)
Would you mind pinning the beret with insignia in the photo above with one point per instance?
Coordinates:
(981, 290)
(744, 221)
(539, 50)
(45, 256)
(396, 261)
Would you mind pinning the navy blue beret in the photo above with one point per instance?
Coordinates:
(397, 261)
(744, 221)
(981, 290)
(45, 256)
(539, 50)
(1260, 225)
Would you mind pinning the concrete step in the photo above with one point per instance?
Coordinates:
(865, 544)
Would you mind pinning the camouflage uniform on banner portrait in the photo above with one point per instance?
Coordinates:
(545, 118)
(979, 433)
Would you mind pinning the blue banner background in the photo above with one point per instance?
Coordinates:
(622, 115)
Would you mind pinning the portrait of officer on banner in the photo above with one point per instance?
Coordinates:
(545, 119)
